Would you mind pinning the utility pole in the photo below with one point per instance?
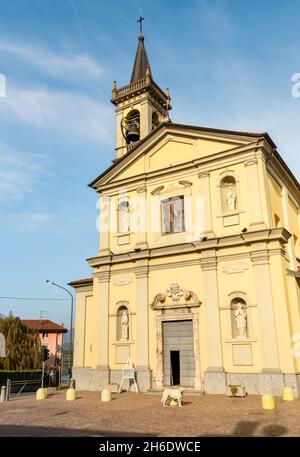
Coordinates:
(70, 361)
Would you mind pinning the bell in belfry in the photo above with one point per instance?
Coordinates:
(133, 131)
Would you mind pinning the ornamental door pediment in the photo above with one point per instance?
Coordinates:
(175, 297)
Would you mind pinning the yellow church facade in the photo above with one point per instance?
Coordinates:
(196, 281)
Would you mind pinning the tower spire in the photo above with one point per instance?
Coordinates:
(141, 61)
(141, 105)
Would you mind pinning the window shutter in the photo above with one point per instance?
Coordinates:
(165, 216)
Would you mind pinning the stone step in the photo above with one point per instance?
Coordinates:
(187, 391)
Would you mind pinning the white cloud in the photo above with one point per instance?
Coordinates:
(62, 111)
(67, 66)
(19, 172)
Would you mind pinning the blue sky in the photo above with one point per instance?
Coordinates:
(228, 64)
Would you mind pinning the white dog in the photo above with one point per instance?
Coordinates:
(175, 394)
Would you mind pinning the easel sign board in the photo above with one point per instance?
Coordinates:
(128, 373)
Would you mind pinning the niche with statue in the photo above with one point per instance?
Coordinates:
(238, 311)
(229, 200)
(122, 324)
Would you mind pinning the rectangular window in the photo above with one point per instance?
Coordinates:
(173, 215)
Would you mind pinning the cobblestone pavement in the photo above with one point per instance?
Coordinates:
(143, 415)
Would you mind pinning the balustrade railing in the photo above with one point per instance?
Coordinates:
(131, 87)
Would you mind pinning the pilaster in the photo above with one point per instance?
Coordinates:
(204, 191)
(102, 324)
(142, 318)
(255, 207)
(105, 226)
(79, 337)
(141, 232)
(286, 221)
(214, 378)
(145, 118)
(119, 136)
(261, 269)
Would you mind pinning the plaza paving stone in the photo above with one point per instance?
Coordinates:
(143, 415)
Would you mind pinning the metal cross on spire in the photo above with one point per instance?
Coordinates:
(140, 20)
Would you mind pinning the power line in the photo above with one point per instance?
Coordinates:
(35, 298)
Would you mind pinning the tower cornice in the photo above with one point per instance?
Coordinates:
(145, 84)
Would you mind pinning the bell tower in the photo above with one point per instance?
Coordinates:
(141, 105)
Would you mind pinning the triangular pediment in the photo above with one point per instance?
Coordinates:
(171, 146)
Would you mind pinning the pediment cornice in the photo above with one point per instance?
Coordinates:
(175, 132)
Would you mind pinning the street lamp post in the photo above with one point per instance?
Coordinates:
(71, 325)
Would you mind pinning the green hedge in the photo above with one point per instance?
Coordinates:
(19, 375)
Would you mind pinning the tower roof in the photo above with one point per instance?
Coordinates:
(141, 62)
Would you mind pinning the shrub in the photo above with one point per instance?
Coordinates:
(19, 375)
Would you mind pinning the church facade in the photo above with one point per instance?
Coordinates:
(196, 281)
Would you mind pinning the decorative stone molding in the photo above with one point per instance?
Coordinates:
(185, 183)
(209, 263)
(175, 297)
(142, 272)
(237, 294)
(203, 174)
(226, 172)
(177, 314)
(103, 275)
(141, 190)
(256, 236)
(250, 162)
(122, 281)
(260, 257)
(122, 303)
(237, 267)
(142, 268)
(157, 190)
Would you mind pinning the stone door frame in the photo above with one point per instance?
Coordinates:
(177, 314)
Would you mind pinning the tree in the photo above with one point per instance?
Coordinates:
(22, 345)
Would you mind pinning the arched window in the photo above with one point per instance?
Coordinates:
(122, 330)
(123, 217)
(229, 194)
(238, 311)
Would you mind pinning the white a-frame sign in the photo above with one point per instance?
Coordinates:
(129, 373)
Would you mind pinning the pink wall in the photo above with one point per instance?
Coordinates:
(52, 341)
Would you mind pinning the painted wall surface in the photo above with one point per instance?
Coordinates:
(52, 341)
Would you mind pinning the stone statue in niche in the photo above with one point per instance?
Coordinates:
(124, 217)
(124, 325)
(231, 199)
(241, 321)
